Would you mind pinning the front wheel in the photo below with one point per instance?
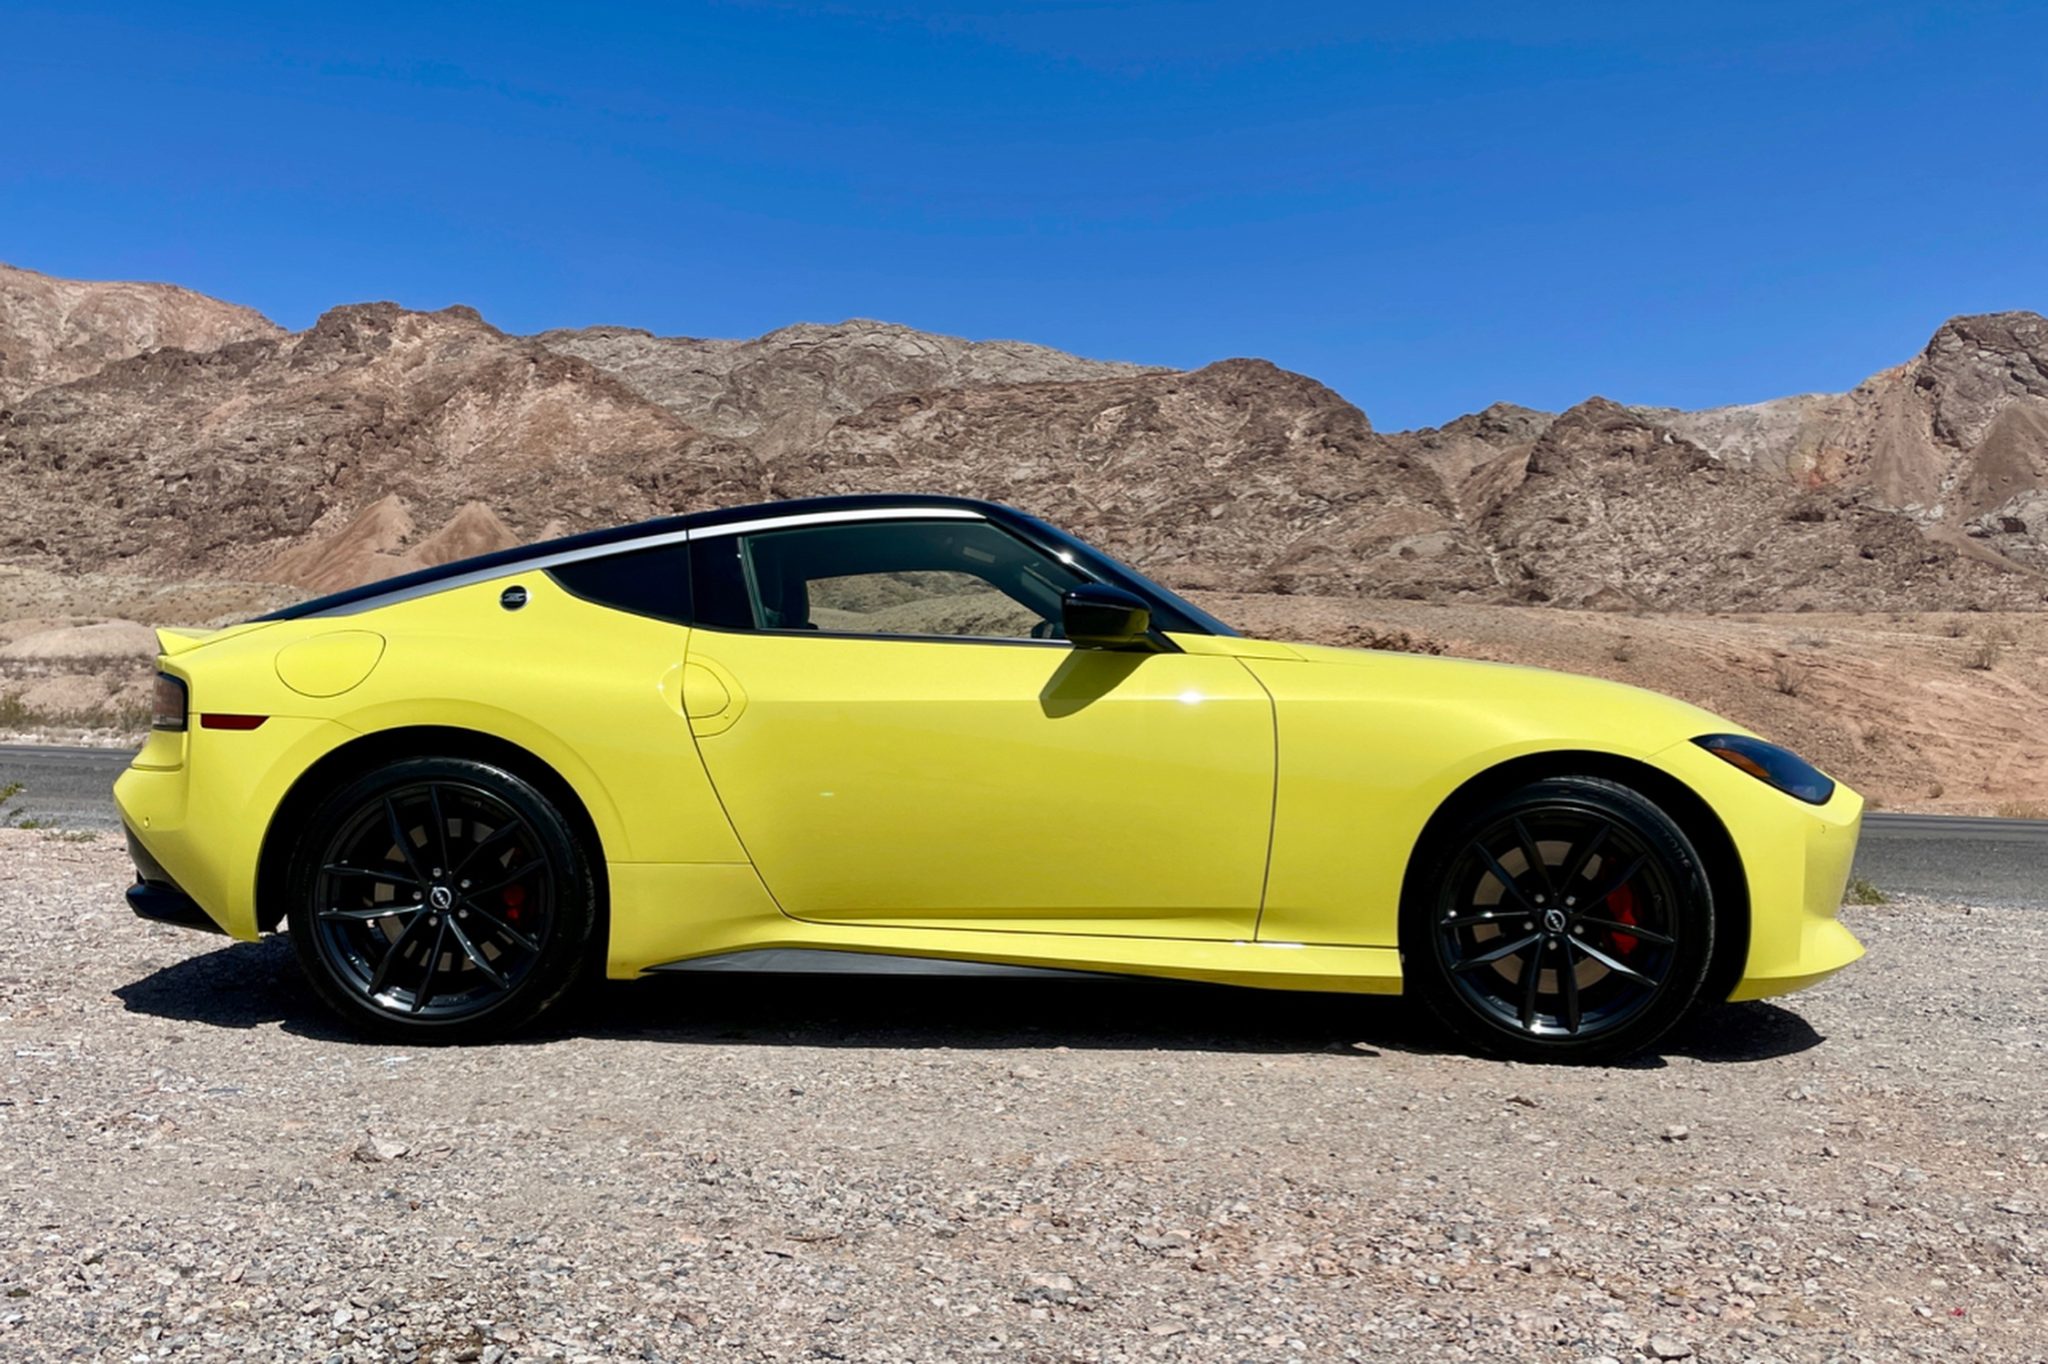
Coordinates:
(441, 899)
(1568, 920)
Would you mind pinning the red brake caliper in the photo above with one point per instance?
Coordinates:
(1621, 907)
(514, 897)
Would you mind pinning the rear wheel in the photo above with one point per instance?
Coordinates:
(1568, 920)
(441, 899)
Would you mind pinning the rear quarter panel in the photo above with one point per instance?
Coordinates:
(592, 692)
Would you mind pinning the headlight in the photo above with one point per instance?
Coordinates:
(1772, 765)
(167, 708)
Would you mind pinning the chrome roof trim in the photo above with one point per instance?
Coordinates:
(484, 575)
(674, 537)
(907, 512)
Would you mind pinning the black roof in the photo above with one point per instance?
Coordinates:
(510, 559)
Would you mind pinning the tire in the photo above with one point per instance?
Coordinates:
(1569, 920)
(465, 938)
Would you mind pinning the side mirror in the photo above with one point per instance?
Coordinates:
(1097, 616)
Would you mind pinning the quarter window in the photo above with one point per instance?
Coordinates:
(648, 582)
(943, 578)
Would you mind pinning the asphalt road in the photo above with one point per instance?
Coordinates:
(1949, 857)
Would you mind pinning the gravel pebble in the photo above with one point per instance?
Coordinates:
(197, 1164)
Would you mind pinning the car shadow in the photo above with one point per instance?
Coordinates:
(252, 985)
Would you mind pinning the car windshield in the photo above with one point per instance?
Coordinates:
(1194, 620)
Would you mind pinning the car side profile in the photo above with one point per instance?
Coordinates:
(916, 733)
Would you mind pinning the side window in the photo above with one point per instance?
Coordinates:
(648, 582)
(946, 578)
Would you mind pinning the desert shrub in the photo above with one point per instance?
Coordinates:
(1788, 677)
(1860, 891)
(2021, 809)
(1391, 640)
(1983, 656)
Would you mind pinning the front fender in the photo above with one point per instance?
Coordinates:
(1372, 744)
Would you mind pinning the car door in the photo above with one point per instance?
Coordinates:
(899, 738)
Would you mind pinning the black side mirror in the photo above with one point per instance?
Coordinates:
(1097, 616)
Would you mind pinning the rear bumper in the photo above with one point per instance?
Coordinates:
(156, 897)
(168, 905)
(197, 806)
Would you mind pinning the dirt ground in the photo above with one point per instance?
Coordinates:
(195, 1164)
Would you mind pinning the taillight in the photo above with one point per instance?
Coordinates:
(168, 705)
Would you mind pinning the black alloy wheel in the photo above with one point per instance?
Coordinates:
(441, 898)
(1567, 920)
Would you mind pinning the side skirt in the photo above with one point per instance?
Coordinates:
(824, 961)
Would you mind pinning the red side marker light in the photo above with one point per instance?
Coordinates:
(216, 720)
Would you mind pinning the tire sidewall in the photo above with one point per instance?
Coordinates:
(1427, 976)
(564, 956)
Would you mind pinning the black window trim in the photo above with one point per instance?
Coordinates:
(1162, 642)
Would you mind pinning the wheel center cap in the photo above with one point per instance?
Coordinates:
(440, 897)
(1553, 919)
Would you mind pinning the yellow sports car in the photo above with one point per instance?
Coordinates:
(928, 734)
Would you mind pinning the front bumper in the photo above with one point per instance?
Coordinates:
(1796, 858)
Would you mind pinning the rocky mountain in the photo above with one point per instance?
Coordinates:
(1605, 508)
(281, 456)
(781, 392)
(1956, 438)
(55, 330)
(381, 439)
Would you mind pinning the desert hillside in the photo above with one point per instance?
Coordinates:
(170, 457)
(55, 330)
(147, 428)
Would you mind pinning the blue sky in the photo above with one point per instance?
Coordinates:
(1427, 206)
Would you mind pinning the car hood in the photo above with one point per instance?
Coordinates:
(1561, 704)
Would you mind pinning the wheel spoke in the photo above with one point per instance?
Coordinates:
(1568, 986)
(1500, 874)
(498, 835)
(426, 988)
(1575, 863)
(1485, 916)
(1532, 976)
(518, 873)
(1533, 855)
(470, 950)
(403, 837)
(503, 927)
(369, 914)
(1648, 935)
(440, 827)
(369, 873)
(1617, 883)
(1615, 964)
(381, 979)
(1497, 954)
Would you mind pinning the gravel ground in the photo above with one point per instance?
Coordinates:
(197, 1165)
